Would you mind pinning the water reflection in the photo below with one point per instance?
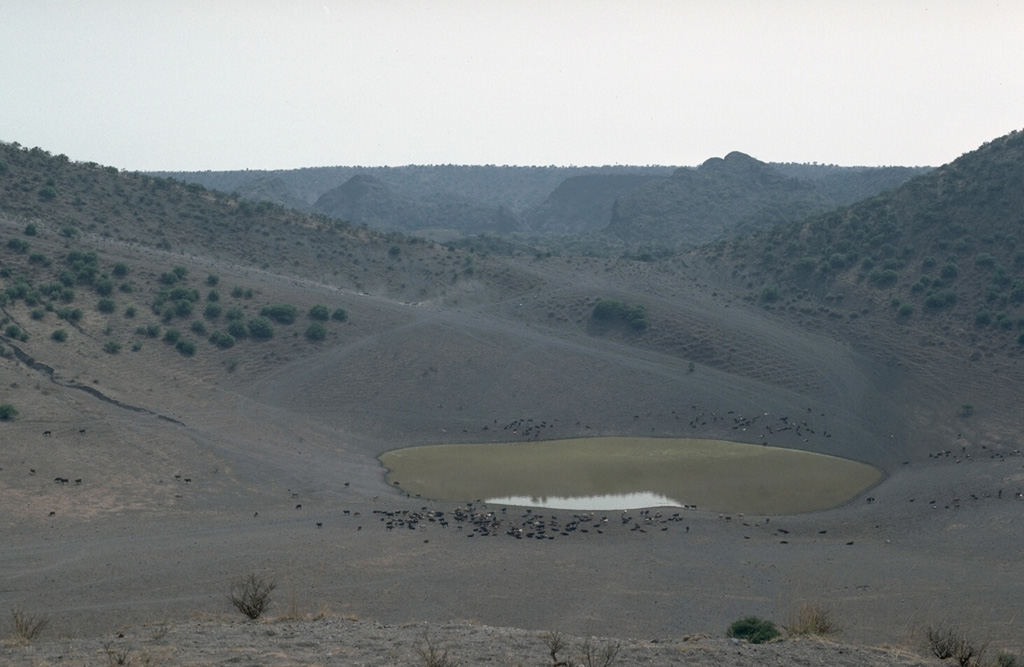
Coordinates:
(615, 501)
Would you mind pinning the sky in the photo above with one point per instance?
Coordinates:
(264, 84)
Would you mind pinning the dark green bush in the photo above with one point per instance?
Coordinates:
(172, 335)
(937, 300)
(111, 347)
(950, 271)
(281, 313)
(18, 245)
(7, 412)
(260, 327)
(770, 293)
(753, 629)
(339, 315)
(237, 329)
(234, 313)
(212, 311)
(30, 229)
(198, 328)
(106, 305)
(59, 335)
(185, 347)
(316, 331)
(319, 312)
(212, 279)
(120, 270)
(222, 340)
(104, 286)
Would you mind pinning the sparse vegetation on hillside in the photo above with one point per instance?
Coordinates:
(913, 244)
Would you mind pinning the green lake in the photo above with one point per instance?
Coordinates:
(628, 473)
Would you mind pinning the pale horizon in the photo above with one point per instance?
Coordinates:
(232, 85)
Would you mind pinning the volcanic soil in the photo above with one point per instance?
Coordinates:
(183, 475)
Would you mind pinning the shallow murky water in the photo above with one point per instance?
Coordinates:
(628, 473)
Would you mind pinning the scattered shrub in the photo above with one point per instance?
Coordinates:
(319, 312)
(111, 347)
(770, 293)
(339, 315)
(433, 655)
(129, 311)
(213, 295)
(38, 314)
(212, 311)
(592, 655)
(18, 245)
(185, 347)
(106, 305)
(753, 629)
(104, 286)
(30, 229)
(222, 340)
(198, 327)
(238, 329)
(212, 279)
(180, 272)
(120, 270)
(260, 327)
(235, 313)
(280, 313)
(946, 642)
(59, 335)
(26, 628)
(172, 335)
(251, 594)
(7, 412)
(316, 331)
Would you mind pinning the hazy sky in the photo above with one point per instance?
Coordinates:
(224, 84)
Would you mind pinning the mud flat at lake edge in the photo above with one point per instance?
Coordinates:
(713, 475)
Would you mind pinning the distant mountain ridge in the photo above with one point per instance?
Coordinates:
(669, 206)
(366, 199)
(696, 206)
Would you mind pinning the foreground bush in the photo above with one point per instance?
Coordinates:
(7, 412)
(251, 594)
(26, 627)
(753, 629)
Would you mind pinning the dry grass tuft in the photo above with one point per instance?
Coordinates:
(813, 619)
(26, 628)
(433, 655)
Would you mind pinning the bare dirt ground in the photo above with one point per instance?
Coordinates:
(333, 641)
(199, 475)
